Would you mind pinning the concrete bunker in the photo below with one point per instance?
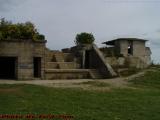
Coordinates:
(28, 59)
(22, 59)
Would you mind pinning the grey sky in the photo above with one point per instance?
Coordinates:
(61, 20)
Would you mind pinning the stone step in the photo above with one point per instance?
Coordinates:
(50, 57)
(95, 74)
(67, 70)
(122, 69)
(68, 57)
(59, 57)
(67, 74)
(52, 65)
(62, 65)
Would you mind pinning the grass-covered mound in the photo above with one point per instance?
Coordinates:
(151, 79)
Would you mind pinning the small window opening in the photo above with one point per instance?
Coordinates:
(130, 48)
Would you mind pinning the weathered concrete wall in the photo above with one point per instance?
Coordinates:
(129, 61)
(108, 51)
(139, 49)
(114, 61)
(95, 58)
(24, 51)
(123, 47)
(80, 52)
(143, 53)
(135, 62)
(39, 51)
(67, 74)
(140, 57)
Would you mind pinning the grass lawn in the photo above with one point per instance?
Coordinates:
(141, 103)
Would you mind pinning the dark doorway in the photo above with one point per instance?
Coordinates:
(8, 67)
(130, 48)
(87, 59)
(37, 67)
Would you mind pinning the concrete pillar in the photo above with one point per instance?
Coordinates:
(83, 59)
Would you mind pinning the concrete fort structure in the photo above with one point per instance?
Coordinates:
(29, 60)
(129, 52)
(22, 59)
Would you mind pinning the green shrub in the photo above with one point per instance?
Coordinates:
(26, 30)
(84, 38)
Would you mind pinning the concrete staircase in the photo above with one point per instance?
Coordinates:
(52, 74)
(59, 57)
(103, 66)
(61, 65)
(95, 74)
(65, 61)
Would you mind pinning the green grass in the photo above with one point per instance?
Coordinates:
(116, 104)
(151, 79)
(95, 84)
(155, 65)
(129, 72)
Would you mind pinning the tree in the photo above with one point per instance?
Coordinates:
(25, 31)
(84, 38)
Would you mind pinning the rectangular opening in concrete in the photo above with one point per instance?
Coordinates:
(87, 59)
(8, 67)
(130, 48)
(37, 67)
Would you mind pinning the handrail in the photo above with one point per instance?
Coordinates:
(108, 66)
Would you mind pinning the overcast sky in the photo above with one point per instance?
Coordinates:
(61, 20)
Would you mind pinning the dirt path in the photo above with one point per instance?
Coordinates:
(98, 84)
